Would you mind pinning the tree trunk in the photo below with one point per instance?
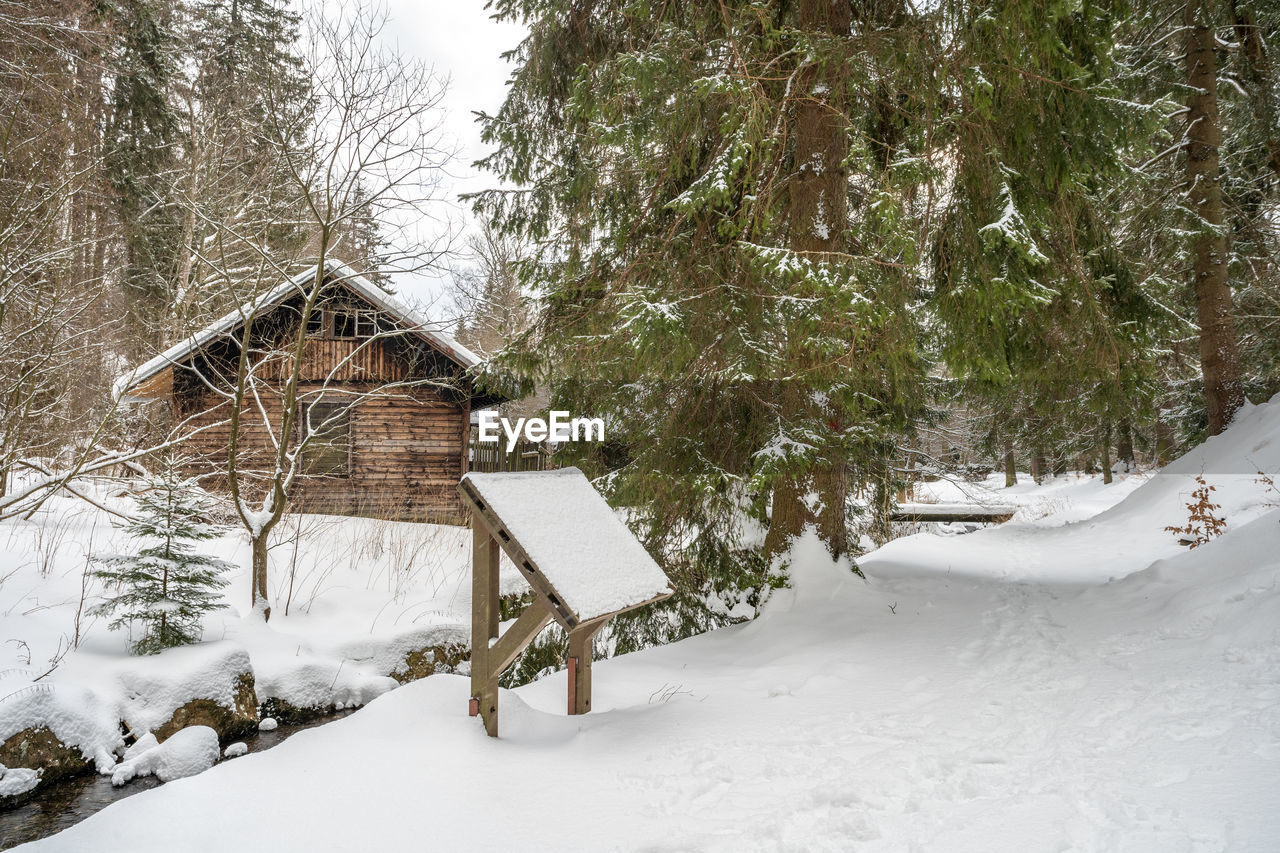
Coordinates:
(1124, 449)
(831, 481)
(1164, 443)
(1010, 466)
(818, 199)
(1219, 355)
(1037, 465)
(259, 547)
(1106, 454)
(787, 516)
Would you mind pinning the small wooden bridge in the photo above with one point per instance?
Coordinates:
(981, 513)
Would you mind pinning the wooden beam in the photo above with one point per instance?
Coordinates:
(484, 615)
(534, 618)
(580, 666)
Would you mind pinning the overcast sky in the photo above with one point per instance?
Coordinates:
(464, 44)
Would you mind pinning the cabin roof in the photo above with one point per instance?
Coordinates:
(399, 311)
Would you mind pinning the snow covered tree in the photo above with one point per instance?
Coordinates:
(723, 257)
(1045, 309)
(754, 221)
(1209, 217)
(167, 586)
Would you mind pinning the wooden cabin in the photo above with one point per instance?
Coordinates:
(384, 400)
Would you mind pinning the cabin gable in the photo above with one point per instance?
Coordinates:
(397, 452)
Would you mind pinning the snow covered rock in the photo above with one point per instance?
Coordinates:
(16, 782)
(268, 724)
(141, 745)
(40, 749)
(440, 647)
(206, 685)
(236, 750)
(59, 731)
(429, 660)
(186, 753)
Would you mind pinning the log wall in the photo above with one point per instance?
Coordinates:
(408, 451)
(341, 360)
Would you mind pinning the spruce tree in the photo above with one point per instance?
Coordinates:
(167, 586)
(718, 198)
(142, 147)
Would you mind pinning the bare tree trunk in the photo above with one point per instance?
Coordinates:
(1037, 465)
(259, 547)
(1010, 466)
(1219, 355)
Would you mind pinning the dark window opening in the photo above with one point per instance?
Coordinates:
(347, 323)
(354, 324)
(344, 324)
(324, 427)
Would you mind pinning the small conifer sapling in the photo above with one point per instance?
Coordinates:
(167, 586)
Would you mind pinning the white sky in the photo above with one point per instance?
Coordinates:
(464, 44)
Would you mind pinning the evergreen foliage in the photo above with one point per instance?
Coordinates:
(661, 208)
(167, 586)
(749, 337)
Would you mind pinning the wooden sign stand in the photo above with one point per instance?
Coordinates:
(491, 654)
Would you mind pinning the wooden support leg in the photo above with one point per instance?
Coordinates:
(484, 624)
(580, 667)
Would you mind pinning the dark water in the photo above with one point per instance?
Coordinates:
(67, 803)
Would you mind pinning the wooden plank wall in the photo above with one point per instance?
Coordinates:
(493, 456)
(341, 360)
(407, 455)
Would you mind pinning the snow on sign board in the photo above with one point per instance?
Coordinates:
(572, 537)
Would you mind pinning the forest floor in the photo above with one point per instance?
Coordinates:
(1072, 680)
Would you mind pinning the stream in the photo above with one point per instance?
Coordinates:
(67, 803)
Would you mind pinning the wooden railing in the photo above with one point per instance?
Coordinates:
(493, 456)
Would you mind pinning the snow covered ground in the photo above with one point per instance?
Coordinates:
(350, 598)
(1056, 683)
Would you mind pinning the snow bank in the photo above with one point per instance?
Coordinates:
(189, 751)
(1125, 538)
(77, 716)
(318, 682)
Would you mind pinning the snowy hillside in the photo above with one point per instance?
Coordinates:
(1034, 687)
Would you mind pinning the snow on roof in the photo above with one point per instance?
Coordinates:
(576, 539)
(400, 311)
